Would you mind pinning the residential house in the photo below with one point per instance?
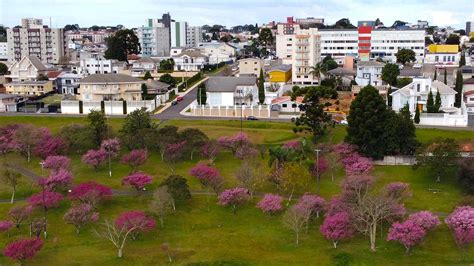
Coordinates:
(190, 60)
(467, 71)
(8, 102)
(105, 87)
(143, 65)
(468, 94)
(344, 75)
(27, 69)
(409, 72)
(68, 83)
(279, 74)
(230, 91)
(443, 55)
(218, 52)
(251, 66)
(29, 88)
(284, 104)
(416, 94)
(99, 66)
(155, 87)
(369, 72)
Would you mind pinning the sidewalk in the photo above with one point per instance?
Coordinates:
(182, 94)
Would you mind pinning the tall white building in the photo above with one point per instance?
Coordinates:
(45, 43)
(154, 39)
(306, 54)
(3, 51)
(178, 32)
(31, 23)
(193, 36)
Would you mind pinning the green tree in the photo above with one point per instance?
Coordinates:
(123, 43)
(462, 60)
(400, 136)
(167, 64)
(168, 79)
(177, 187)
(314, 119)
(147, 76)
(402, 82)
(3, 69)
(436, 74)
(430, 103)
(78, 138)
(329, 63)
(98, 124)
(138, 130)
(389, 96)
(261, 88)
(439, 156)
(366, 122)
(437, 103)
(195, 140)
(417, 115)
(458, 88)
(405, 56)
(144, 91)
(390, 74)
(265, 37)
(453, 39)
(445, 76)
(201, 94)
(42, 77)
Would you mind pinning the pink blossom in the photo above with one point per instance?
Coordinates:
(239, 144)
(59, 180)
(336, 205)
(208, 176)
(19, 213)
(7, 142)
(234, 197)
(135, 158)
(425, 219)
(5, 225)
(354, 164)
(293, 145)
(56, 162)
(23, 249)
(111, 146)
(321, 165)
(174, 151)
(271, 203)
(90, 193)
(137, 221)
(94, 158)
(48, 145)
(461, 222)
(80, 215)
(337, 227)
(398, 190)
(137, 180)
(46, 199)
(344, 149)
(313, 203)
(408, 233)
(210, 150)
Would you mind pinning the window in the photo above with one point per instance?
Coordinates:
(284, 105)
(418, 86)
(293, 105)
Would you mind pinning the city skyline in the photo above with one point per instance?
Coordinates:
(201, 12)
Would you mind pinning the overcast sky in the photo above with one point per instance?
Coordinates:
(132, 13)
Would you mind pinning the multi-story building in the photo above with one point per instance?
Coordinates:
(29, 88)
(106, 87)
(443, 55)
(364, 42)
(3, 51)
(178, 33)
(92, 36)
(68, 83)
(369, 72)
(190, 60)
(154, 39)
(306, 54)
(45, 43)
(193, 36)
(251, 66)
(31, 23)
(98, 66)
(289, 26)
(469, 27)
(309, 20)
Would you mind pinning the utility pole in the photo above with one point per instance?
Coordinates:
(317, 168)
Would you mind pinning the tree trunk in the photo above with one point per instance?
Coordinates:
(119, 254)
(372, 234)
(438, 178)
(192, 153)
(297, 238)
(234, 209)
(78, 229)
(335, 244)
(291, 196)
(332, 175)
(407, 249)
(13, 197)
(28, 154)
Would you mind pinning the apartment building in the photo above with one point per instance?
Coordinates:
(105, 87)
(31, 22)
(306, 54)
(364, 42)
(29, 88)
(3, 51)
(98, 66)
(193, 36)
(34, 39)
(93, 36)
(154, 39)
(251, 66)
(178, 32)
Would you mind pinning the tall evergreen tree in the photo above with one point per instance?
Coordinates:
(437, 103)
(458, 89)
(201, 94)
(367, 120)
(144, 91)
(123, 43)
(98, 124)
(261, 87)
(400, 137)
(417, 115)
(462, 60)
(445, 76)
(430, 103)
(147, 76)
(389, 97)
(435, 74)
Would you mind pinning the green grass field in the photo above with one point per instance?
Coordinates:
(197, 235)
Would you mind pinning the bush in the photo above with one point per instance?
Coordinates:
(342, 259)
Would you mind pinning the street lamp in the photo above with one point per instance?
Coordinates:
(317, 168)
(108, 133)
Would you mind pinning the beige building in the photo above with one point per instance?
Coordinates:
(31, 39)
(306, 54)
(27, 69)
(104, 87)
(251, 66)
(29, 88)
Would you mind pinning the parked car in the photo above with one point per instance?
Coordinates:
(179, 98)
(251, 117)
(174, 102)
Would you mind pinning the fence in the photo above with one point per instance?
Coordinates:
(230, 111)
(109, 107)
(396, 160)
(447, 120)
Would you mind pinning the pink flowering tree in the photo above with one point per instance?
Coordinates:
(7, 142)
(292, 145)
(314, 203)
(80, 215)
(45, 200)
(90, 193)
(271, 203)
(239, 144)
(111, 147)
(208, 176)
(5, 226)
(26, 137)
(337, 227)
(23, 249)
(174, 152)
(137, 180)
(355, 164)
(234, 197)
(344, 149)
(425, 219)
(48, 145)
(461, 223)
(336, 204)
(408, 233)
(18, 214)
(56, 162)
(319, 167)
(94, 158)
(135, 219)
(398, 191)
(57, 181)
(135, 158)
(210, 150)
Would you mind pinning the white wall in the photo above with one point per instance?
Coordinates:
(443, 120)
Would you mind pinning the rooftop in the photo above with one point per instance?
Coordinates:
(110, 78)
(370, 64)
(283, 68)
(228, 84)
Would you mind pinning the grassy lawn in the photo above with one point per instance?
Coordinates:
(250, 237)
